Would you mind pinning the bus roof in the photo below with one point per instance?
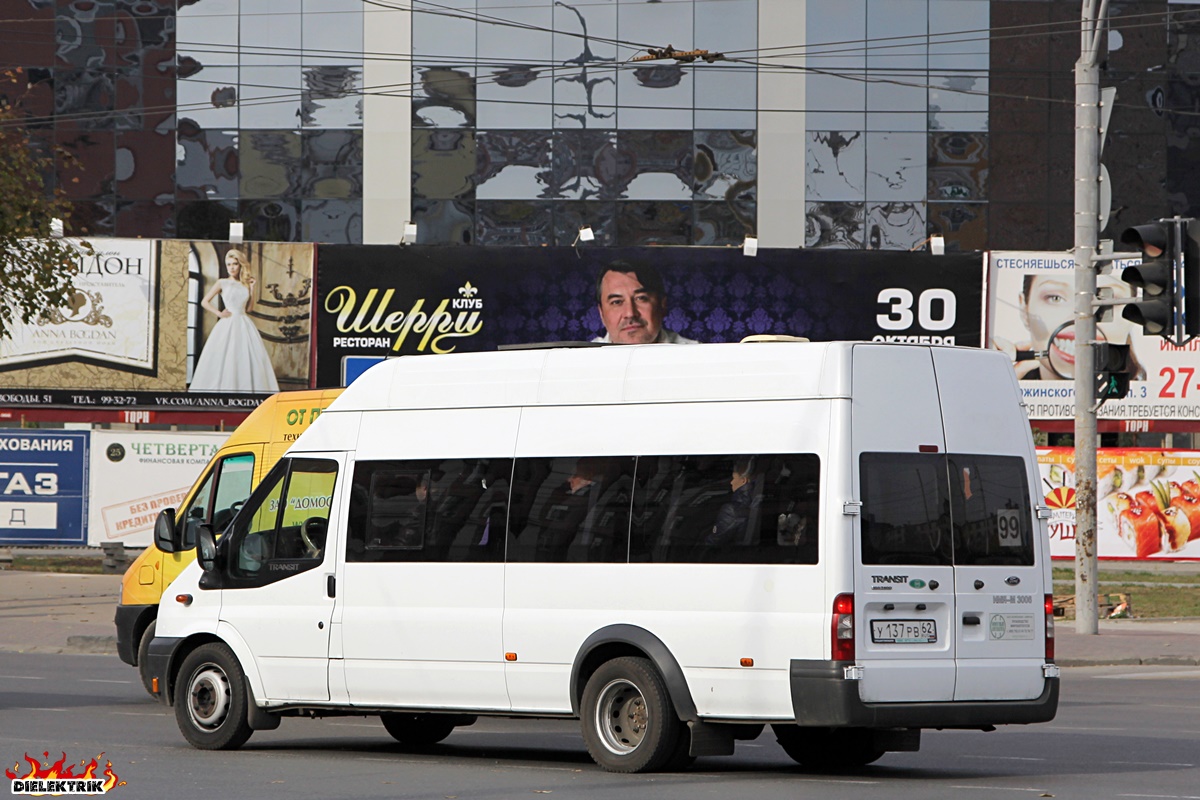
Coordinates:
(604, 375)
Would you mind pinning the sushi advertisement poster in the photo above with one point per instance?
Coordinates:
(1148, 502)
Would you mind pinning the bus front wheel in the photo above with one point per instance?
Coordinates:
(210, 699)
(628, 722)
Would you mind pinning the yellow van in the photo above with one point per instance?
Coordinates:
(249, 453)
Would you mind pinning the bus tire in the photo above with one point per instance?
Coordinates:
(418, 730)
(210, 699)
(627, 718)
(143, 649)
(828, 748)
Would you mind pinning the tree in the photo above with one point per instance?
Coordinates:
(37, 270)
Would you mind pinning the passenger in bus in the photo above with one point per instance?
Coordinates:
(632, 303)
(566, 514)
(398, 511)
(734, 516)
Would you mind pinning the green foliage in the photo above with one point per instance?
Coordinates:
(36, 271)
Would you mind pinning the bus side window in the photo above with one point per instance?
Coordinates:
(578, 509)
(743, 509)
(428, 510)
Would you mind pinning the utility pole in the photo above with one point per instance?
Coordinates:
(1087, 203)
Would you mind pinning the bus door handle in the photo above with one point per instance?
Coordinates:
(970, 620)
(331, 586)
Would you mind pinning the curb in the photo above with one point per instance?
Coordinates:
(1151, 661)
(80, 645)
(106, 645)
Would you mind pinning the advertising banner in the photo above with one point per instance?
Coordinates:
(136, 474)
(1147, 507)
(172, 325)
(1030, 311)
(43, 485)
(379, 301)
(109, 320)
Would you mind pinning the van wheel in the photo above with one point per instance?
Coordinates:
(419, 730)
(142, 651)
(210, 699)
(828, 748)
(628, 723)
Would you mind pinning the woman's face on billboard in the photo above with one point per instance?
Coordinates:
(1044, 307)
(1047, 305)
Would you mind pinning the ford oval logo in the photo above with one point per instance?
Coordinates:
(1012, 580)
(917, 583)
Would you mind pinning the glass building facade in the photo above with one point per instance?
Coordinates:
(860, 124)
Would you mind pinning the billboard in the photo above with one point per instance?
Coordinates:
(136, 474)
(379, 301)
(1030, 317)
(169, 325)
(109, 320)
(43, 487)
(1147, 502)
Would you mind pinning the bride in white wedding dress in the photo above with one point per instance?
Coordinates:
(234, 358)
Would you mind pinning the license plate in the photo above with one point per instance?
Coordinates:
(903, 631)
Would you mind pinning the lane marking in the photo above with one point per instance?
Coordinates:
(102, 680)
(23, 677)
(1079, 728)
(1008, 758)
(1152, 676)
(1148, 764)
(792, 779)
(999, 788)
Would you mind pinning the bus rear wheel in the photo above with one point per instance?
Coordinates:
(627, 718)
(828, 748)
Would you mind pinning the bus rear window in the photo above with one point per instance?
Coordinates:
(925, 508)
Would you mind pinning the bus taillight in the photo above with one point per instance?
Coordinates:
(843, 628)
(1049, 627)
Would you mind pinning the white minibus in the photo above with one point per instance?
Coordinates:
(677, 545)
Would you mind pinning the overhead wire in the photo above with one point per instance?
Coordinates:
(871, 74)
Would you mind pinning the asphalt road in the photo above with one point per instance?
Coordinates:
(1121, 732)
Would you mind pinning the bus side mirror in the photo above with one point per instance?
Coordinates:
(206, 548)
(166, 536)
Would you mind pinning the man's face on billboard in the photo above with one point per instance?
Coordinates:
(631, 314)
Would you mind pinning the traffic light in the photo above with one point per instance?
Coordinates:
(1155, 276)
(1114, 368)
(1191, 280)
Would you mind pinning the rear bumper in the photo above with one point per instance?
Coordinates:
(130, 621)
(822, 696)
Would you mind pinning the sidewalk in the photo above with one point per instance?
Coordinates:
(64, 613)
(1129, 642)
(43, 612)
